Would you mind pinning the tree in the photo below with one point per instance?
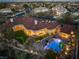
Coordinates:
(13, 10)
(3, 6)
(21, 37)
(66, 18)
(25, 6)
(50, 55)
(8, 33)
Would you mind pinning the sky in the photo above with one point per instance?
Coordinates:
(35, 0)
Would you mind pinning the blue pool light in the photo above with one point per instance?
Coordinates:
(56, 45)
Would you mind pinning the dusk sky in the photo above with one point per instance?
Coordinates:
(35, 0)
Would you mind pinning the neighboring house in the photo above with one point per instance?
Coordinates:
(6, 10)
(59, 10)
(40, 9)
